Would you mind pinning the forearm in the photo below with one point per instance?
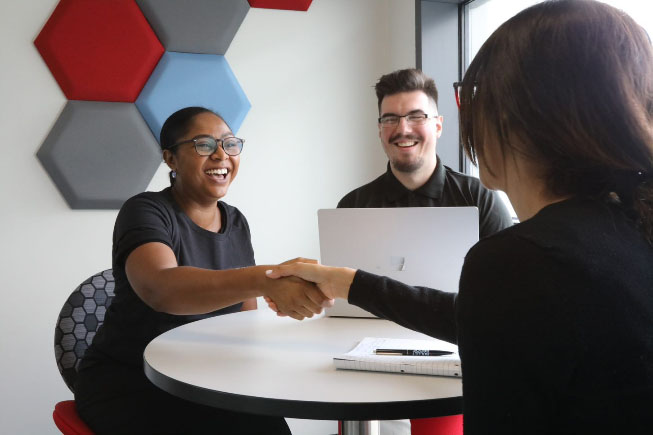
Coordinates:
(190, 290)
(421, 309)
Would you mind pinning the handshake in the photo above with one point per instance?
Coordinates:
(301, 287)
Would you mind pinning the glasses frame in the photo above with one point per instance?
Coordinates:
(218, 143)
(424, 116)
(456, 90)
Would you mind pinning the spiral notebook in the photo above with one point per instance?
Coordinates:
(362, 357)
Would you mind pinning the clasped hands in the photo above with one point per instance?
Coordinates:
(301, 287)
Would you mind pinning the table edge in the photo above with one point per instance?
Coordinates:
(306, 409)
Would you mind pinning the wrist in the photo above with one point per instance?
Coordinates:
(345, 279)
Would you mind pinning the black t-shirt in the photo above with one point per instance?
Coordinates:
(130, 324)
(553, 319)
(445, 188)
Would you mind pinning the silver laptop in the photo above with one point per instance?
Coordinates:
(423, 246)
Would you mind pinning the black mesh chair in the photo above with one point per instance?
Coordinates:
(79, 319)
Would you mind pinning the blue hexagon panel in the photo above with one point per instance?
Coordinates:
(195, 26)
(187, 79)
(99, 154)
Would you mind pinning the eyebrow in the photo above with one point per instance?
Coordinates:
(412, 112)
(229, 134)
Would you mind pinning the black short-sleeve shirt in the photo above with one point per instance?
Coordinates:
(129, 323)
(445, 188)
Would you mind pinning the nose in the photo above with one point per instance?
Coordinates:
(403, 125)
(219, 154)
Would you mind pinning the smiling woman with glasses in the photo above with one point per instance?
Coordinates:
(179, 255)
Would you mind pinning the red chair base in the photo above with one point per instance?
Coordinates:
(67, 420)
(449, 425)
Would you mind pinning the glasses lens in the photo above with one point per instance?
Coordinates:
(205, 146)
(232, 146)
(389, 120)
(416, 119)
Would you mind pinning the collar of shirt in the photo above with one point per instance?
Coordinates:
(432, 188)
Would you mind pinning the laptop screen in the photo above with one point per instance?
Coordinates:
(423, 246)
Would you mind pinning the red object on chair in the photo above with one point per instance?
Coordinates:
(292, 5)
(67, 420)
(449, 425)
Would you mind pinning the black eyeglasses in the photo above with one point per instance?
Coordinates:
(457, 87)
(206, 145)
(387, 121)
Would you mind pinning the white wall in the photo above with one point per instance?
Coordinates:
(311, 137)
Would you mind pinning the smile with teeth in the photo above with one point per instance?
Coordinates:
(406, 144)
(222, 172)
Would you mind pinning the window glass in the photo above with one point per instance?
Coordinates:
(485, 16)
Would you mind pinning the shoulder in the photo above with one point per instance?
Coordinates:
(360, 196)
(465, 190)
(147, 199)
(146, 203)
(467, 183)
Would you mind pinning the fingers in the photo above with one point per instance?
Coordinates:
(316, 297)
(308, 272)
(279, 271)
(271, 304)
(301, 260)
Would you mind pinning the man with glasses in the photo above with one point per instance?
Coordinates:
(409, 126)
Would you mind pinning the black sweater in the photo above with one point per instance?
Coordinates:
(554, 321)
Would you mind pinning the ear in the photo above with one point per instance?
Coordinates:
(438, 126)
(170, 159)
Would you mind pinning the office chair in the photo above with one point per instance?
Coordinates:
(449, 425)
(79, 319)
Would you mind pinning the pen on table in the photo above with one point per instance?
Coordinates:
(412, 352)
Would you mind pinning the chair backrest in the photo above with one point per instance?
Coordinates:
(79, 320)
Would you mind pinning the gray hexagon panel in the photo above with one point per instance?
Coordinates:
(195, 26)
(99, 154)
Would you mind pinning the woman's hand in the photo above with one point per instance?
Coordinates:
(295, 297)
(334, 282)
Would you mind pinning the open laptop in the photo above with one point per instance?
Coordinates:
(423, 246)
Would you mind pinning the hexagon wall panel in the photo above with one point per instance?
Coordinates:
(186, 79)
(99, 50)
(293, 5)
(79, 319)
(100, 154)
(195, 26)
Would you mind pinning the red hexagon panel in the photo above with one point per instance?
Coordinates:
(293, 5)
(99, 50)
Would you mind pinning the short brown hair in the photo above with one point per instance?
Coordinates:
(569, 85)
(405, 80)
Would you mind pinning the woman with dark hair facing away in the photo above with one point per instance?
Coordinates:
(554, 316)
(179, 255)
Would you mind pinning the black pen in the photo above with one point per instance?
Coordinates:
(412, 352)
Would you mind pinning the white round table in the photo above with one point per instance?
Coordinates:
(259, 363)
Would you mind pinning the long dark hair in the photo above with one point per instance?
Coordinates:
(177, 126)
(569, 85)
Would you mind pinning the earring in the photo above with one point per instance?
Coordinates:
(173, 174)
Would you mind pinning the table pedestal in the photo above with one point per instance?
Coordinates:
(360, 427)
